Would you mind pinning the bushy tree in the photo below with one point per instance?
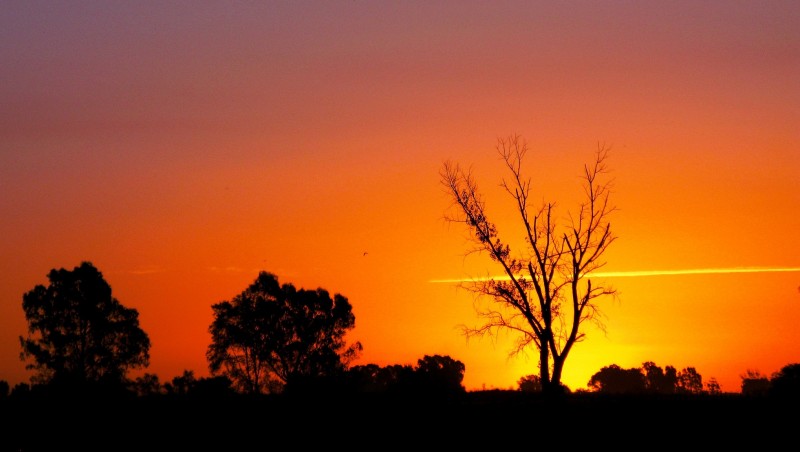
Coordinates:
(545, 295)
(658, 380)
(713, 387)
(146, 385)
(372, 378)
(78, 332)
(432, 375)
(614, 379)
(272, 336)
(754, 383)
(649, 378)
(440, 374)
(690, 382)
(786, 382)
(530, 383)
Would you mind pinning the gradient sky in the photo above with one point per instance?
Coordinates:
(182, 147)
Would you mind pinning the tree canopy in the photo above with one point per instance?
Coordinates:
(80, 333)
(272, 336)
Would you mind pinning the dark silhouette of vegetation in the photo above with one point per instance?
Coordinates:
(530, 383)
(206, 413)
(297, 337)
(754, 383)
(648, 379)
(440, 374)
(783, 384)
(79, 334)
(432, 375)
(545, 295)
(786, 382)
(273, 337)
(615, 380)
(713, 387)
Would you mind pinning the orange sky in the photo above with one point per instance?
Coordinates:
(182, 148)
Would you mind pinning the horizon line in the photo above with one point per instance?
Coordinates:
(635, 273)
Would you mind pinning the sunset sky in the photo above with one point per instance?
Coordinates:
(182, 147)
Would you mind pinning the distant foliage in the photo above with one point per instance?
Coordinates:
(713, 387)
(440, 374)
(530, 383)
(433, 374)
(786, 382)
(754, 383)
(691, 382)
(648, 379)
(615, 380)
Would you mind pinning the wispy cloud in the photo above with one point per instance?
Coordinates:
(229, 269)
(638, 273)
(146, 271)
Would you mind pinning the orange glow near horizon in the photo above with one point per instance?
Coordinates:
(182, 151)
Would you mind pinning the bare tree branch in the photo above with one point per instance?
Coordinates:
(545, 294)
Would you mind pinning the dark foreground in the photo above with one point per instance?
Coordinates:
(491, 419)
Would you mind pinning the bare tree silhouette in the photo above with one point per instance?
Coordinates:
(545, 296)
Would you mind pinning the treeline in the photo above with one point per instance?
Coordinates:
(652, 379)
(272, 338)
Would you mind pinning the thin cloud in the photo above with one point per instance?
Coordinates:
(638, 273)
(147, 271)
(230, 269)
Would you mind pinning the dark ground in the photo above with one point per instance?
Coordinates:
(495, 419)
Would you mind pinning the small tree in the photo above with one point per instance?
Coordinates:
(786, 382)
(615, 380)
(441, 374)
(182, 384)
(545, 295)
(713, 387)
(754, 383)
(690, 382)
(78, 332)
(530, 383)
(658, 380)
(272, 335)
(146, 385)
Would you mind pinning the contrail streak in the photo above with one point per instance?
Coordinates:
(635, 273)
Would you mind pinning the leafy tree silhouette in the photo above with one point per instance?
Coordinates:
(754, 383)
(713, 387)
(691, 382)
(648, 379)
(615, 380)
(545, 295)
(146, 385)
(79, 333)
(274, 337)
(659, 381)
(372, 378)
(440, 374)
(786, 382)
(530, 383)
(432, 375)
